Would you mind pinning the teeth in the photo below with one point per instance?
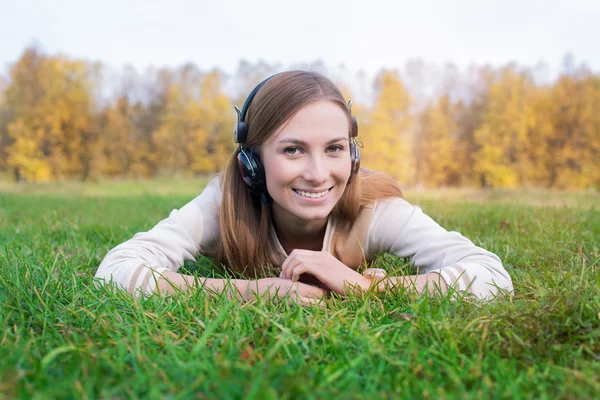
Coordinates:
(312, 195)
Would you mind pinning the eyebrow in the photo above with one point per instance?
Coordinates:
(303, 143)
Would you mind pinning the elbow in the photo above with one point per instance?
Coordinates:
(133, 276)
(103, 273)
(108, 275)
(484, 283)
(112, 272)
(498, 285)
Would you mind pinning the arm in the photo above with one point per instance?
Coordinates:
(431, 283)
(270, 288)
(170, 282)
(443, 258)
(149, 261)
(138, 264)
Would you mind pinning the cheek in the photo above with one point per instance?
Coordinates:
(277, 171)
(342, 167)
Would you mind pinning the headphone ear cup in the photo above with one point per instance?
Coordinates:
(354, 127)
(251, 170)
(354, 161)
(240, 132)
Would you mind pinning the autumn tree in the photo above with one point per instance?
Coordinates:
(194, 135)
(4, 118)
(574, 147)
(503, 138)
(124, 152)
(218, 117)
(436, 161)
(49, 104)
(387, 135)
(470, 111)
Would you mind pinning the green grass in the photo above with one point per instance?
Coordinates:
(63, 337)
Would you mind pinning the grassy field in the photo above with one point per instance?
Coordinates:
(62, 337)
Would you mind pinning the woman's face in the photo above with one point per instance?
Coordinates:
(307, 163)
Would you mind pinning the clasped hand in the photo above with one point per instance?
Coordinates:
(325, 267)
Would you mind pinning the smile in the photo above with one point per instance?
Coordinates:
(312, 195)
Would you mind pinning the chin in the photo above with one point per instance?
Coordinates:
(313, 216)
(309, 213)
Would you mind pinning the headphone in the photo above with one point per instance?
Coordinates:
(249, 164)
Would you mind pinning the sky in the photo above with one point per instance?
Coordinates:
(368, 34)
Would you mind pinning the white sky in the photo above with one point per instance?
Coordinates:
(367, 34)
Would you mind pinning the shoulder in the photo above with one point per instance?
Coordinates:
(391, 203)
(375, 186)
(204, 206)
(393, 218)
(212, 192)
(200, 217)
(391, 213)
(215, 183)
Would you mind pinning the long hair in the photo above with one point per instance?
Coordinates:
(246, 247)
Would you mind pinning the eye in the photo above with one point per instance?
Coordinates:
(335, 149)
(292, 151)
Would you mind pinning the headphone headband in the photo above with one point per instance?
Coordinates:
(242, 115)
(240, 132)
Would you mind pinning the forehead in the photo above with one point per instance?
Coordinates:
(316, 122)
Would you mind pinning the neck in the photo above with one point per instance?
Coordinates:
(300, 234)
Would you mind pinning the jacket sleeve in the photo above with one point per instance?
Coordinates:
(192, 229)
(403, 229)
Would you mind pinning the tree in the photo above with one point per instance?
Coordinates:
(387, 136)
(195, 135)
(4, 118)
(218, 117)
(502, 159)
(49, 102)
(437, 163)
(124, 152)
(574, 146)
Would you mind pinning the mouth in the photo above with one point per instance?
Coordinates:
(312, 194)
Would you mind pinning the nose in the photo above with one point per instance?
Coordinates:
(316, 170)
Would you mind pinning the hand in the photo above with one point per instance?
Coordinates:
(325, 267)
(277, 288)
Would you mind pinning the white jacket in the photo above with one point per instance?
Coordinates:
(391, 225)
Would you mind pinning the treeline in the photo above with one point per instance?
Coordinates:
(499, 129)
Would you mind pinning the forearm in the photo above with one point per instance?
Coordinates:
(170, 282)
(431, 283)
(240, 289)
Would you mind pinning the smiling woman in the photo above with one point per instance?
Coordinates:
(293, 203)
(307, 166)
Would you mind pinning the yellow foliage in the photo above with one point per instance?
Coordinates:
(503, 135)
(24, 154)
(195, 136)
(50, 98)
(437, 146)
(386, 132)
(510, 133)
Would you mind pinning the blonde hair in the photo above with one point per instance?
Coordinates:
(246, 247)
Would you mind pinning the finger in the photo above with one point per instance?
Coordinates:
(291, 264)
(298, 270)
(297, 255)
(286, 265)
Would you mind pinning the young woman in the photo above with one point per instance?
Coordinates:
(293, 202)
